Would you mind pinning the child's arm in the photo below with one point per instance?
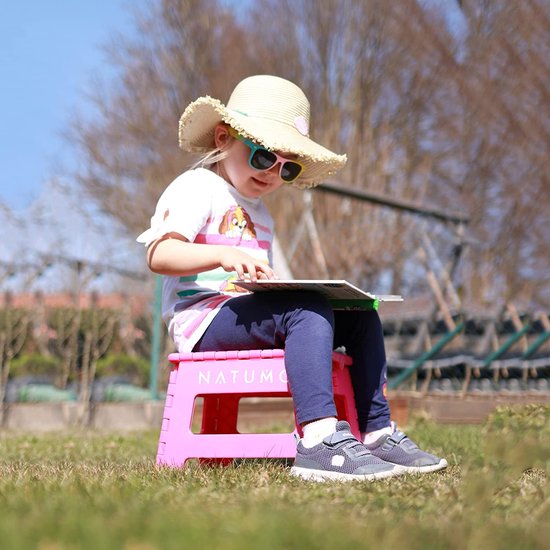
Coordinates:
(174, 255)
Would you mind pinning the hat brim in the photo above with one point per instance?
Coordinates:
(196, 134)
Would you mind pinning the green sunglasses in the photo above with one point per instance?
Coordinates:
(262, 159)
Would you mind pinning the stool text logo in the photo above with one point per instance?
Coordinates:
(229, 377)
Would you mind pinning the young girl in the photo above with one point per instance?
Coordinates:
(210, 228)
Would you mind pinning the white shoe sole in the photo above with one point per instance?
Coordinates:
(425, 469)
(324, 475)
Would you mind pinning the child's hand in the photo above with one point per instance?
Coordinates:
(239, 261)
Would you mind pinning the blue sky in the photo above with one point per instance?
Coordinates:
(49, 50)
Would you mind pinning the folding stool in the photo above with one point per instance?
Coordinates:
(222, 378)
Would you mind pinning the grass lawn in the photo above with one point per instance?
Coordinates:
(103, 491)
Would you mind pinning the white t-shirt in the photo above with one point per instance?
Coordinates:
(202, 207)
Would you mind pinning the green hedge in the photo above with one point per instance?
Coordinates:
(120, 364)
(34, 364)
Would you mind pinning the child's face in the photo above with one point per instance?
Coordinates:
(235, 169)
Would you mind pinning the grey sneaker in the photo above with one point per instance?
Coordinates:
(340, 457)
(398, 449)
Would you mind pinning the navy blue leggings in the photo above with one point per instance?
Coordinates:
(304, 325)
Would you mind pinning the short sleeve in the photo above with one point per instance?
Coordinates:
(183, 208)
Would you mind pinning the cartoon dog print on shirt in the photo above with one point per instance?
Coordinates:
(236, 223)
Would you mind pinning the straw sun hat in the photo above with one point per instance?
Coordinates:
(272, 112)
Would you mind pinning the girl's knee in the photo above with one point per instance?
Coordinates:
(316, 304)
(309, 309)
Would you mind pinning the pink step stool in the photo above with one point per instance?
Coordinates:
(222, 378)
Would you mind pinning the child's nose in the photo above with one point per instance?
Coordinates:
(275, 169)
